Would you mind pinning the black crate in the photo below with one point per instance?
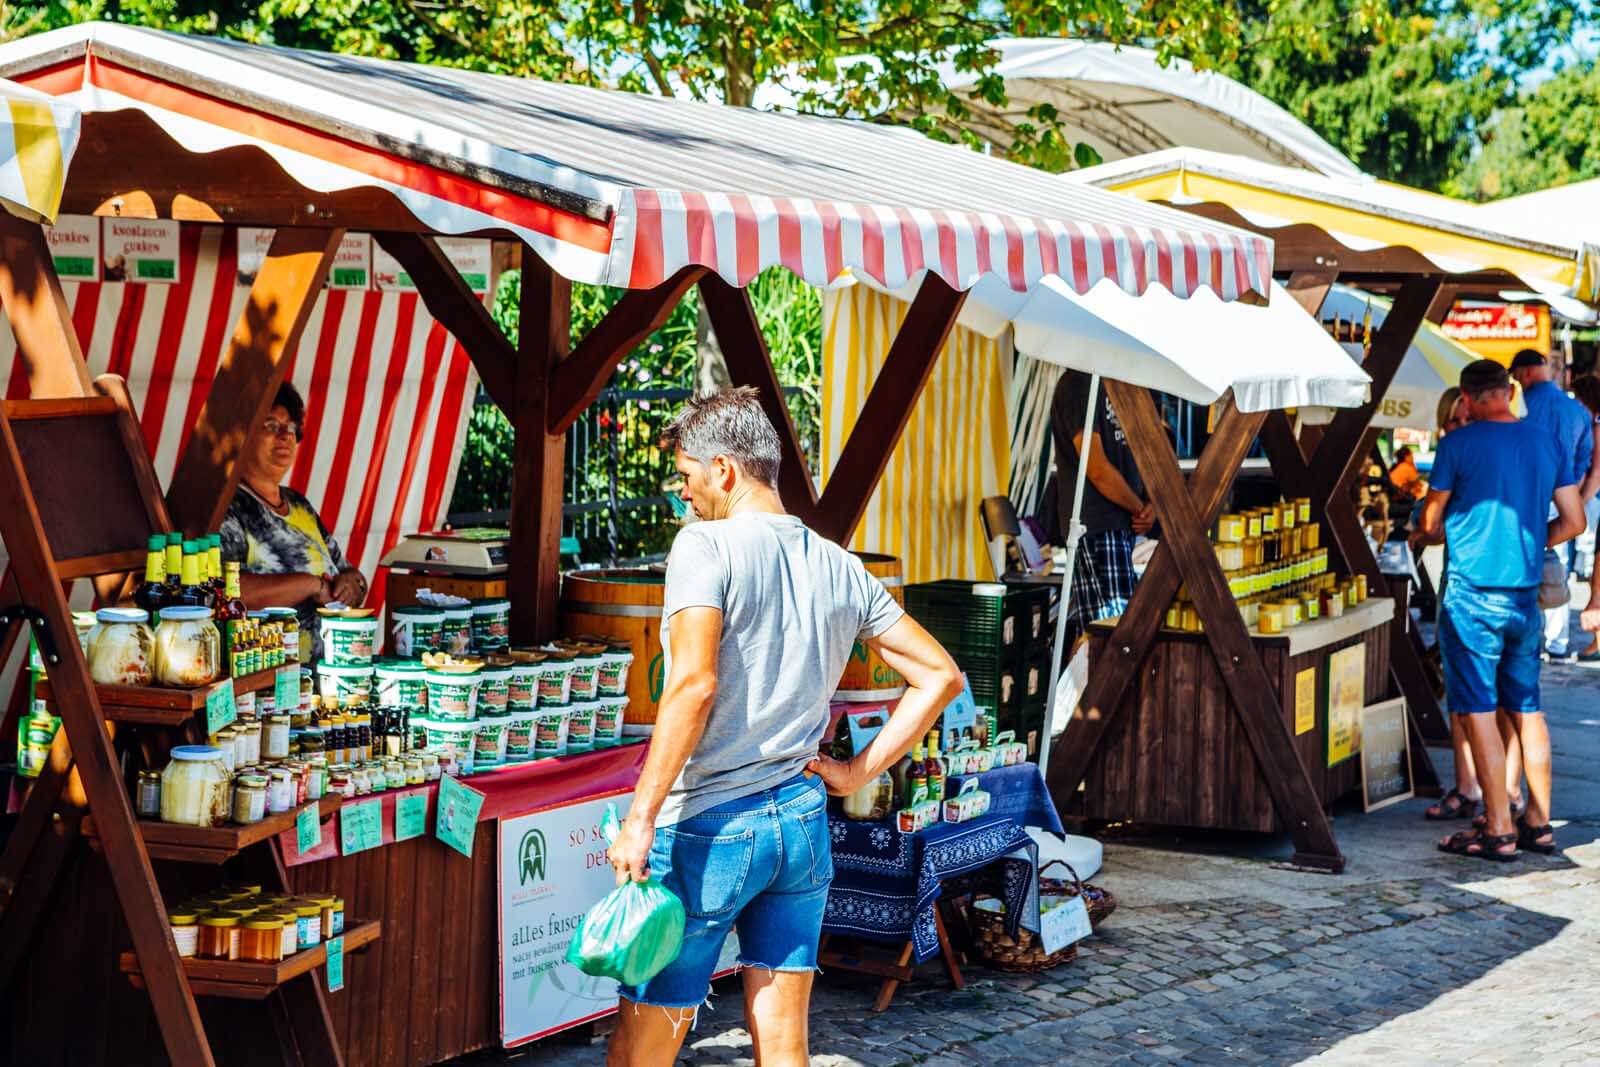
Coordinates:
(1004, 628)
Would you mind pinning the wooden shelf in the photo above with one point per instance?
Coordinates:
(162, 707)
(242, 980)
(199, 844)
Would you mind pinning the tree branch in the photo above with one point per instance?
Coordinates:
(641, 20)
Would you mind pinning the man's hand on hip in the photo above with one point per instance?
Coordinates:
(840, 777)
(630, 853)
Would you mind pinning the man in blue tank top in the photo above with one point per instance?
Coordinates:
(1489, 500)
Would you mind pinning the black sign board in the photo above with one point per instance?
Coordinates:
(1385, 755)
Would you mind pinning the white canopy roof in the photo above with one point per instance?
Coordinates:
(1275, 356)
(1123, 102)
(1431, 365)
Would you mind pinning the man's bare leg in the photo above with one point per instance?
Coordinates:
(1466, 775)
(1535, 736)
(1488, 754)
(776, 1006)
(647, 1035)
(1513, 742)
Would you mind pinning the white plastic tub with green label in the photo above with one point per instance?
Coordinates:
(490, 741)
(580, 726)
(608, 719)
(349, 642)
(344, 684)
(452, 697)
(612, 679)
(520, 726)
(522, 694)
(491, 625)
(550, 732)
(415, 629)
(494, 690)
(459, 738)
(401, 685)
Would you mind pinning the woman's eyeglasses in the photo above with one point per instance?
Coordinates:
(274, 428)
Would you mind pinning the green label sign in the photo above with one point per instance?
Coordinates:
(286, 689)
(164, 270)
(335, 947)
(410, 815)
(220, 706)
(360, 826)
(307, 829)
(456, 822)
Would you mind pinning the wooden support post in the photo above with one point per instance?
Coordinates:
(888, 407)
(31, 293)
(1296, 799)
(578, 381)
(290, 279)
(1135, 632)
(83, 721)
(733, 317)
(544, 334)
(459, 310)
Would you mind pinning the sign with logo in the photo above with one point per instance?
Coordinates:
(1385, 755)
(75, 247)
(1499, 331)
(140, 250)
(553, 869)
(1347, 682)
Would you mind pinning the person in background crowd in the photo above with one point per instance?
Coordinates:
(1587, 391)
(759, 617)
(1405, 477)
(285, 555)
(1494, 481)
(1572, 428)
(1115, 510)
(1462, 801)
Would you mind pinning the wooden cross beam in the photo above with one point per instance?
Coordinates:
(888, 406)
(458, 309)
(267, 334)
(1184, 522)
(733, 317)
(1323, 474)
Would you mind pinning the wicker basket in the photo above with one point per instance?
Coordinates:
(1022, 954)
(1100, 901)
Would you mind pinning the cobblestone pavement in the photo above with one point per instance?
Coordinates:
(1409, 957)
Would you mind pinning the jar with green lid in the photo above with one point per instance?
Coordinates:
(185, 923)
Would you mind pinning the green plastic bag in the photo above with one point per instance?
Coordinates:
(635, 930)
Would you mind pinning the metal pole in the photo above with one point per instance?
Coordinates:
(1074, 535)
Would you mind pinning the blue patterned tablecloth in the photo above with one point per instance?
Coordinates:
(885, 882)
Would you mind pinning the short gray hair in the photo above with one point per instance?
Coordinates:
(730, 422)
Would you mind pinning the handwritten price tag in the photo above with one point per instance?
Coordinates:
(410, 815)
(307, 829)
(456, 823)
(335, 946)
(220, 707)
(360, 826)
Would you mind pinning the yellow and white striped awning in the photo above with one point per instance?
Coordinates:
(38, 135)
(1362, 214)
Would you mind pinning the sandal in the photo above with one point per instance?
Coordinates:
(1519, 808)
(1528, 838)
(1453, 805)
(1479, 846)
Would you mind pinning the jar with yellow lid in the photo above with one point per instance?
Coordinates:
(1269, 521)
(332, 916)
(308, 929)
(1252, 523)
(1310, 608)
(185, 923)
(1361, 588)
(1174, 617)
(1302, 507)
(1231, 528)
(1286, 514)
(289, 940)
(218, 938)
(1230, 556)
(1269, 620)
(1291, 613)
(1313, 536)
(261, 940)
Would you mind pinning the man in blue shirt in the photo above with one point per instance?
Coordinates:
(1489, 500)
(1571, 426)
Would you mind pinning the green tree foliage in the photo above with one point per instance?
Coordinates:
(1550, 136)
(1402, 94)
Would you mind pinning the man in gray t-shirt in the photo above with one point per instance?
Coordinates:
(759, 618)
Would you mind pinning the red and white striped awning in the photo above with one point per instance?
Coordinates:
(388, 391)
(623, 189)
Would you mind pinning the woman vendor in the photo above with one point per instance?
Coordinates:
(285, 553)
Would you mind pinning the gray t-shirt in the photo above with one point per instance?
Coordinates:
(793, 603)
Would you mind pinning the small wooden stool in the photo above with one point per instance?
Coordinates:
(899, 969)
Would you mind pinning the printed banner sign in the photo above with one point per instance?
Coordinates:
(472, 257)
(1347, 683)
(75, 247)
(140, 250)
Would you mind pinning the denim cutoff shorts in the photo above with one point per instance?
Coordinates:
(1489, 640)
(760, 865)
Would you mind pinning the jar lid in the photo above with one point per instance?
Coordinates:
(184, 613)
(182, 918)
(264, 924)
(280, 613)
(217, 919)
(326, 902)
(253, 781)
(114, 615)
(196, 753)
(307, 909)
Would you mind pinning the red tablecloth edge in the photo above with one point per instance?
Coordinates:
(506, 791)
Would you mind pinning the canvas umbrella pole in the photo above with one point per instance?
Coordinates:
(1074, 536)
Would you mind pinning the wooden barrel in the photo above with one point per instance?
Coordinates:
(626, 605)
(866, 677)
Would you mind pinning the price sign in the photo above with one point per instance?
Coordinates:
(1064, 924)
(220, 707)
(456, 823)
(335, 947)
(286, 689)
(410, 815)
(307, 829)
(360, 826)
